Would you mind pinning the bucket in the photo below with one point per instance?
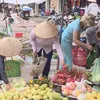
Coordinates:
(79, 56)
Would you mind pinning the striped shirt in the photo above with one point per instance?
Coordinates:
(47, 44)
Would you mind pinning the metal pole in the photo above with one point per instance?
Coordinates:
(5, 15)
(61, 29)
(62, 19)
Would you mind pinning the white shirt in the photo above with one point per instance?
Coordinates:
(92, 9)
(47, 44)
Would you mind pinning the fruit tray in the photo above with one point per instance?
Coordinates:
(71, 98)
(57, 87)
(94, 83)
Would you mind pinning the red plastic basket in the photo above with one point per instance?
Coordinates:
(79, 56)
(19, 35)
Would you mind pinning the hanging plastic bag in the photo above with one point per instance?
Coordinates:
(96, 71)
(38, 65)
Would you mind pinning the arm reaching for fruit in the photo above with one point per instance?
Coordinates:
(33, 42)
(3, 74)
(59, 50)
(8, 86)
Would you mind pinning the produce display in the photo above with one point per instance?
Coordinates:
(36, 92)
(94, 95)
(18, 83)
(76, 88)
(64, 76)
(40, 81)
(74, 83)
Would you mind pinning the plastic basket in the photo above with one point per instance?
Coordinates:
(19, 35)
(79, 56)
(12, 68)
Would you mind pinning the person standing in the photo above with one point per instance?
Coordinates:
(8, 47)
(93, 37)
(92, 8)
(43, 36)
(71, 34)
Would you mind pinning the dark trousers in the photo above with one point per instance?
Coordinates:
(2, 70)
(48, 63)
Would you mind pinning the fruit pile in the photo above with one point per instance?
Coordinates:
(36, 92)
(18, 83)
(40, 81)
(63, 76)
(94, 95)
(68, 89)
(76, 88)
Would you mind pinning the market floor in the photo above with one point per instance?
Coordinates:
(26, 69)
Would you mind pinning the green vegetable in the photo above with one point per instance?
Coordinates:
(96, 70)
(55, 56)
(90, 59)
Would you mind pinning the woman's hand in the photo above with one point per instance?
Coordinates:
(89, 47)
(35, 53)
(62, 62)
(8, 86)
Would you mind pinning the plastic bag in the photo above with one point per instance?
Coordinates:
(38, 65)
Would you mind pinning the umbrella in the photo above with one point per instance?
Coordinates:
(23, 1)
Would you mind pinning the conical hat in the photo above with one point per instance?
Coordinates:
(45, 30)
(92, 0)
(10, 46)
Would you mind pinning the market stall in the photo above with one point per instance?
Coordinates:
(74, 84)
(64, 85)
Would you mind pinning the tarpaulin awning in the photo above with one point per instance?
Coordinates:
(23, 1)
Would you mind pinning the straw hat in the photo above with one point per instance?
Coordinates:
(98, 33)
(45, 30)
(10, 46)
(92, 0)
(88, 20)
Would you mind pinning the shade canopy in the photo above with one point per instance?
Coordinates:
(22, 1)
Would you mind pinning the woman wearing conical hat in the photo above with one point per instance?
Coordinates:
(9, 47)
(42, 38)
